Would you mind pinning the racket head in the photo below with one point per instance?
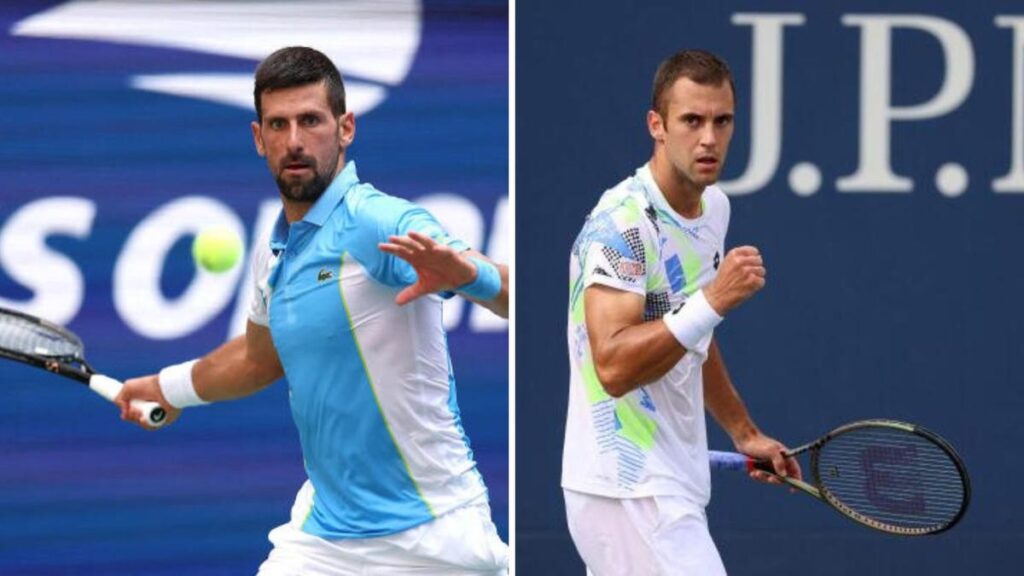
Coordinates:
(35, 341)
(892, 476)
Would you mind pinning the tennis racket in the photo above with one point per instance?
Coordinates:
(888, 475)
(39, 343)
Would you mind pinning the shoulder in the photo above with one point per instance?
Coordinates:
(623, 221)
(716, 197)
(626, 205)
(373, 216)
(717, 204)
(368, 209)
(366, 205)
(615, 247)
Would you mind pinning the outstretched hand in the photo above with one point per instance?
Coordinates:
(438, 267)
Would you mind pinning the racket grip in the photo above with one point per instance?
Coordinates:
(152, 413)
(729, 461)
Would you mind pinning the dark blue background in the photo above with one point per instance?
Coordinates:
(82, 492)
(877, 305)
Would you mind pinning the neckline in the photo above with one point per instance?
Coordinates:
(660, 203)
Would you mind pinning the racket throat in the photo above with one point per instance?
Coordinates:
(766, 466)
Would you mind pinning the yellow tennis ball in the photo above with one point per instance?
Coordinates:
(217, 249)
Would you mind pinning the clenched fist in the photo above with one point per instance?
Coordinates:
(742, 273)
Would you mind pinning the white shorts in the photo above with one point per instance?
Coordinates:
(461, 542)
(660, 535)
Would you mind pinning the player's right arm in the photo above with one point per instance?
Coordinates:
(629, 352)
(238, 368)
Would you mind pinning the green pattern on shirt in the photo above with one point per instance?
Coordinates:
(637, 427)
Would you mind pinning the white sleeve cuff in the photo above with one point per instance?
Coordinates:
(693, 323)
(176, 385)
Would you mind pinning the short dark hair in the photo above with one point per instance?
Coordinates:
(298, 66)
(701, 66)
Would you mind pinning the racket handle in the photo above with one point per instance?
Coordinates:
(738, 462)
(152, 413)
(730, 461)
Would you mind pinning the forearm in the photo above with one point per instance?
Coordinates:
(723, 401)
(237, 368)
(234, 370)
(634, 356)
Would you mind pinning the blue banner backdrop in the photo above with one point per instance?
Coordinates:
(878, 163)
(126, 129)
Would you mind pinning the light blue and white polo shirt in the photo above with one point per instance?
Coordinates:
(370, 383)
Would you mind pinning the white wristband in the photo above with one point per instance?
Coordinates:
(176, 385)
(692, 323)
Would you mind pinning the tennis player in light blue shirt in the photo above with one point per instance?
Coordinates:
(347, 305)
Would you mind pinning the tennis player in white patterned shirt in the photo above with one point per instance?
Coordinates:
(650, 280)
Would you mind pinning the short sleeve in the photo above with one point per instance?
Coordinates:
(259, 305)
(615, 248)
(389, 216)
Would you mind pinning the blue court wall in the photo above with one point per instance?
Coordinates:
(125, 129)
(878, 163)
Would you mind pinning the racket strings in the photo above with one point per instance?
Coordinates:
(892, 476)
(24, 336)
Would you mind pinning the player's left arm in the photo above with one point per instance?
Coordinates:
(726, 406)
(442, 268)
